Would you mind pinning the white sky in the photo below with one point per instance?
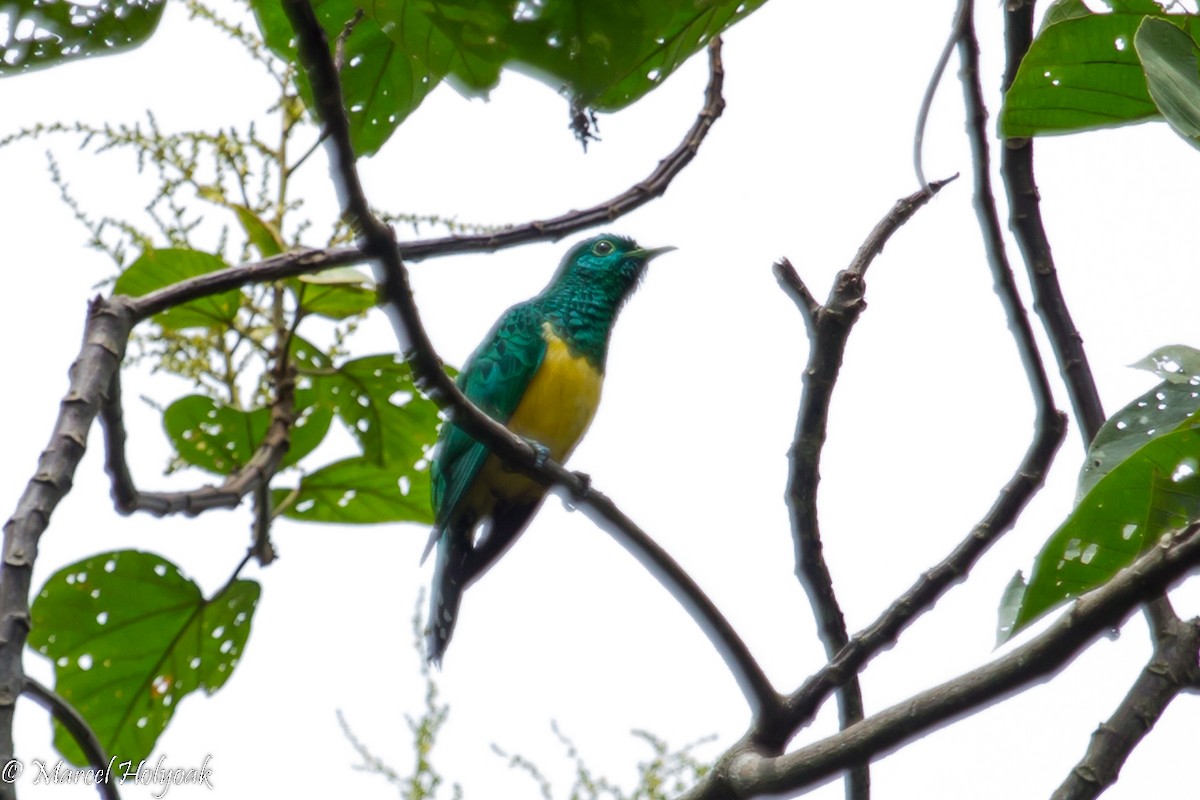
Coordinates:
(929, 419)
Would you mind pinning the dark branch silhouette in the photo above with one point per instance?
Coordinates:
(1025, 221)
(829, 327)
(80, 731)
(1171, 671)
(745, 771)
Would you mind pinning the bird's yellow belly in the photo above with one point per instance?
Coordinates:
(555, 411)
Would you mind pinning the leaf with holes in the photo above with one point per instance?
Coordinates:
(1153, 491)
(156, 269)
(601, 55)
(1163, 409)
(1083, 70)
(1169, 60)
(222, 439)
(46, 33)
(360, 491)
(335, 293)
(376, 397)
(381, 83)
(130, 636)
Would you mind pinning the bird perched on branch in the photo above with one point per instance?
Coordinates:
(539, 372)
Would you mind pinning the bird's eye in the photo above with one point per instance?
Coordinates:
(602, 247)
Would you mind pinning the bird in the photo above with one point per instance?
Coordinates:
(539, 372)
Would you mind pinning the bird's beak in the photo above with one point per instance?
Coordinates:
(648, 253)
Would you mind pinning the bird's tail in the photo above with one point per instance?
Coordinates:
(448, 584)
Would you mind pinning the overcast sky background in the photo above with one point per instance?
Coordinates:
(930, 418)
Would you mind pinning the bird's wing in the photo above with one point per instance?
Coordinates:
(495, 379)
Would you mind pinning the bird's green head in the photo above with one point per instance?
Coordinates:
(607, 263)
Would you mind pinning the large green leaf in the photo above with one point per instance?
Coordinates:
(1169, 59)
(1082, 71)
(1154, 491)
(130, 636)
(360, 491)
(381, 83)
(156, 269)
(601, 55)
(221, 439)
(45, 33)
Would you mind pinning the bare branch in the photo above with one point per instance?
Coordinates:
(377, 241)
(744, 771)
(255, 474)
(105, 335)
(1025, 221)
(1172, 670)
(829, 328)
(80, 731)
(933, 583)
(287, 265)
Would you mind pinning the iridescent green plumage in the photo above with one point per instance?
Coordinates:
(538, 371)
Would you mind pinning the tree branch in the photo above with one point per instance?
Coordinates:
(1113, 742)
(1172, 670)
(80, 731)
(256, 473)
(932, 584)
(829, 327)
(744, 771)
(105, 335)
(377, 241)
(1025, 221)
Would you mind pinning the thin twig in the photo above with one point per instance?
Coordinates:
(829, 327)
(931, 88)
(80, 731)
(377, 242)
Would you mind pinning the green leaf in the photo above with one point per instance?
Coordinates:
(46, 33)
(1176, 363)
(262, 234)
(336, 293)
(1154, 491)
(601, 55)
(221, 439)
(1082, 71)
(1163, 409)
(156, 269)
(1172, 75)
(359, 491)
(381, 83)
(130, 636)
(377, 400)
(1010, 604)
